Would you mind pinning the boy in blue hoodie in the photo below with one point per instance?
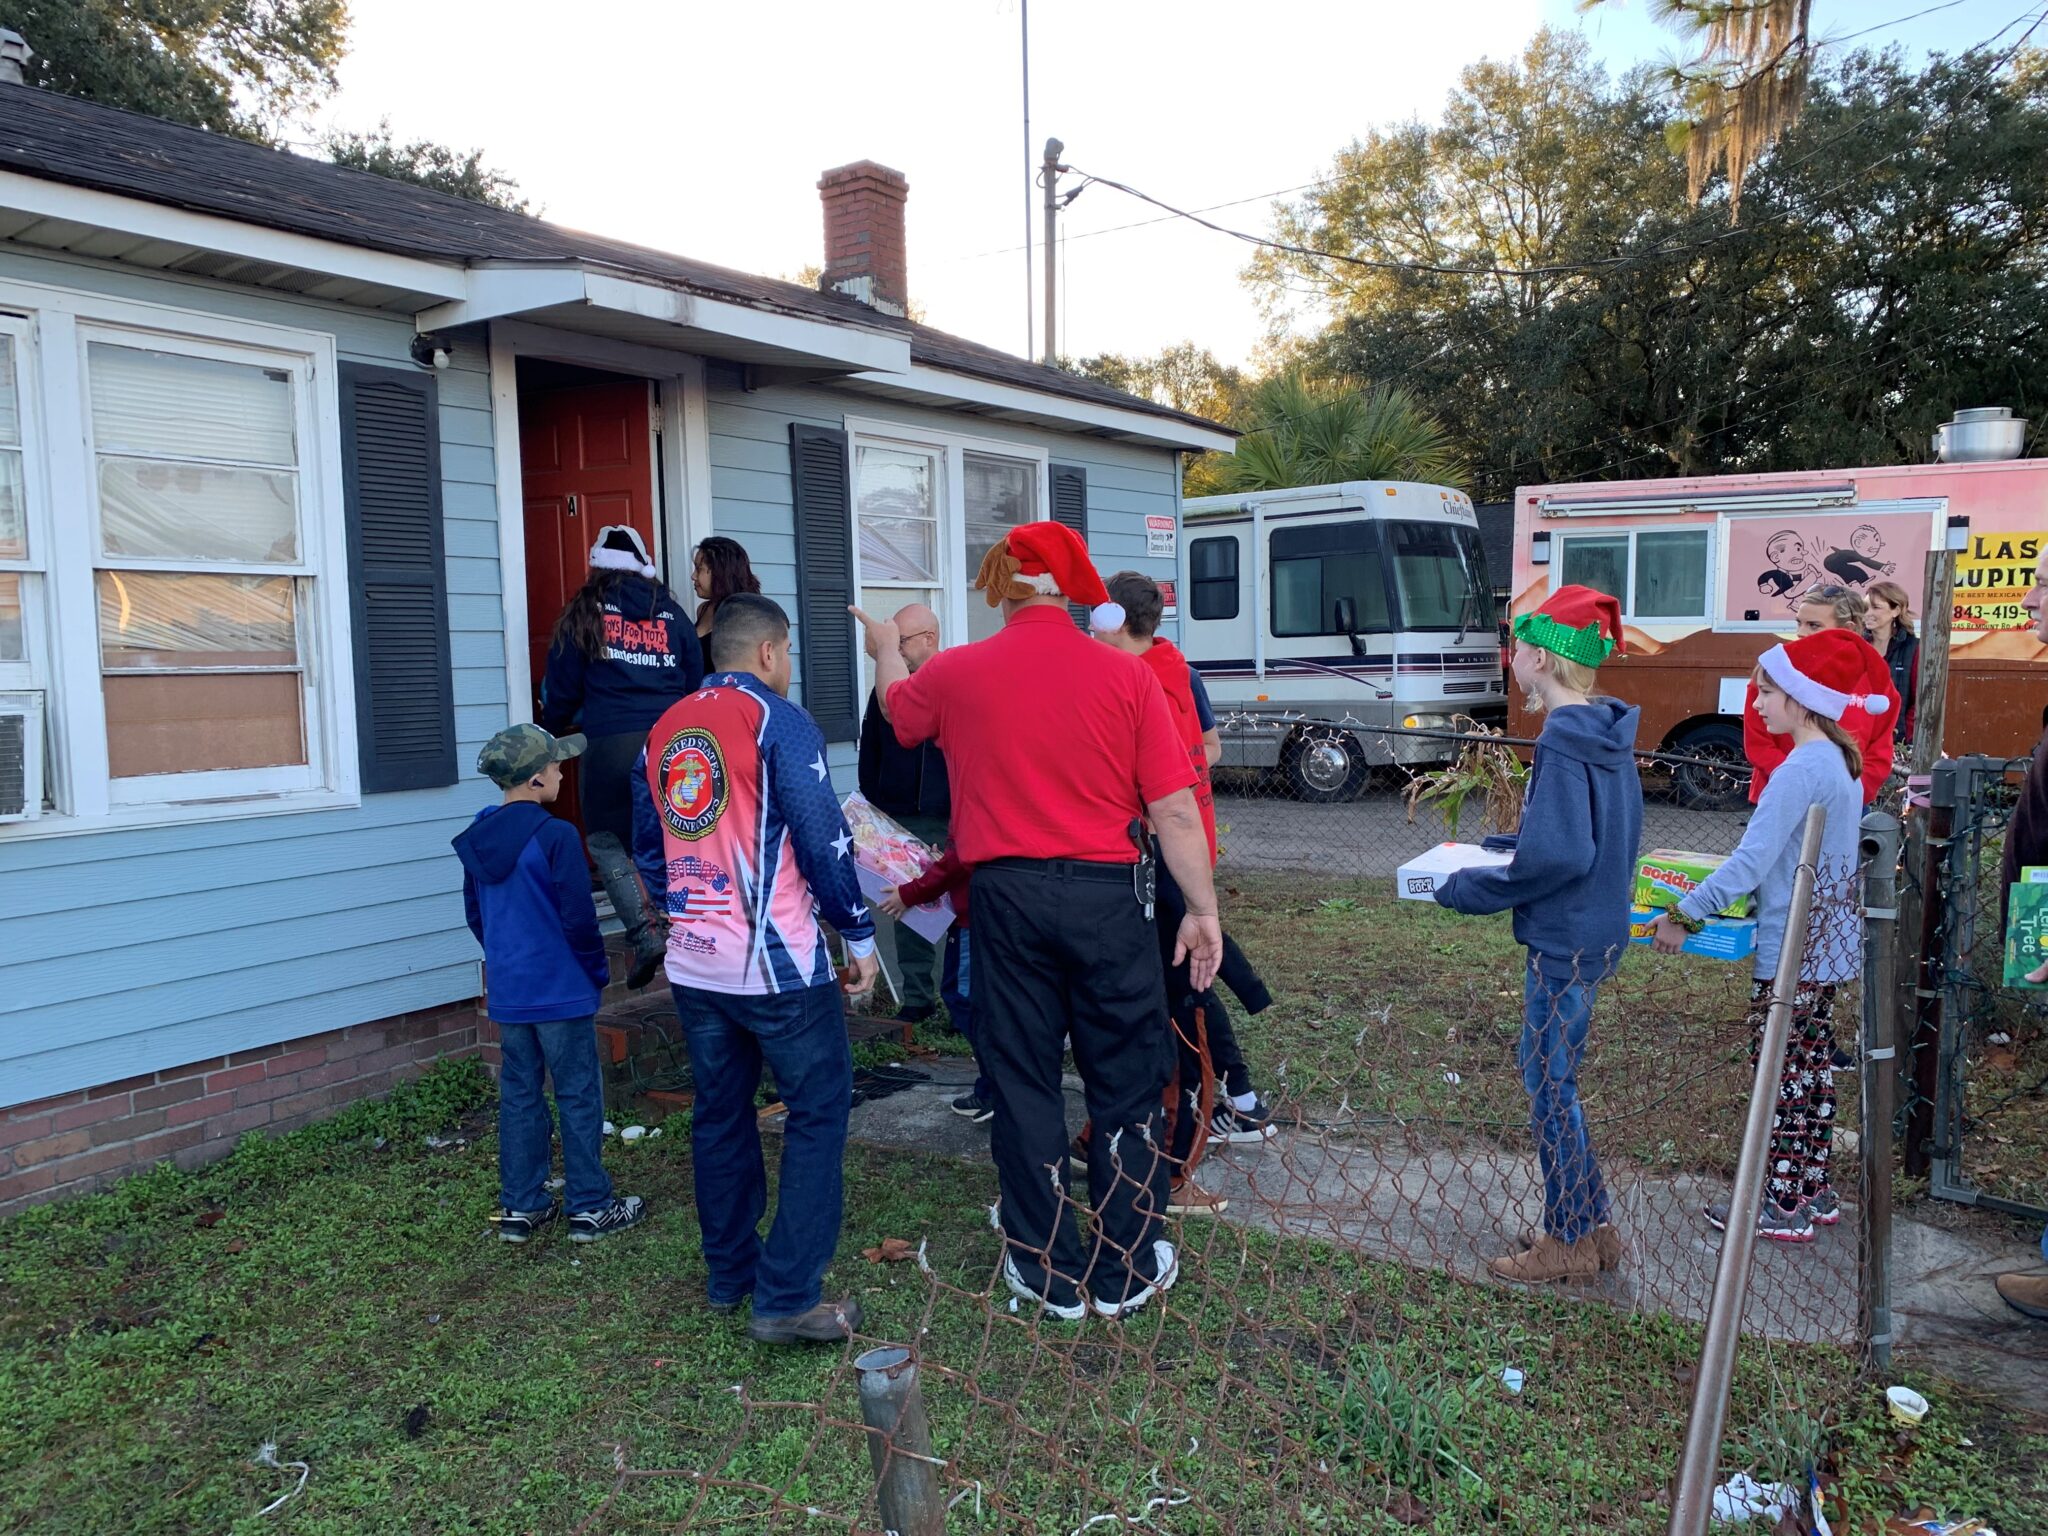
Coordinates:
(1570, 885)
(526, 892)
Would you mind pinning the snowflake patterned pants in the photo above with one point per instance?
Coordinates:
(1804, 1126)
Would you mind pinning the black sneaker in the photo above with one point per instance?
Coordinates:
(1842, 1060)
(1241, 1126)
(520, 1226)
(972, 1106)
(623, 1212)
(645, 967)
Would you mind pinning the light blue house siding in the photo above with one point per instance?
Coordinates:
(130, 951)
(751, 496)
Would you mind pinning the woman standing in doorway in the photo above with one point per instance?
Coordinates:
(622, 653)
(1827, 606)
(719, 569)
(1891, 631)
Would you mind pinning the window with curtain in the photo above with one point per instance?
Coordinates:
(201, 578)
(898, 496)
(1000, 494)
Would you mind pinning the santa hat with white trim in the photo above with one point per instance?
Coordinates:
(1832, 672)
(1047, 560)
(619, 548)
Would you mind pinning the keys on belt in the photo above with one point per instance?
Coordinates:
(1144, 873)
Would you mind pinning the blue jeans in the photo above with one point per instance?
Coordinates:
(567, 1050)
(1557, 1016)
(802, 1036)
(957, 988)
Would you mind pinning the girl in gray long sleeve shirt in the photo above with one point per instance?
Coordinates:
(1768, 856)
(1803, 690)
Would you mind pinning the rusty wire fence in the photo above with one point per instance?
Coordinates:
(1341, 1325)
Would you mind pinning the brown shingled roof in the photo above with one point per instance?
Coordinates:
(83, 143)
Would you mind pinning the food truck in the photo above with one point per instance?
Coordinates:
(1707, 570)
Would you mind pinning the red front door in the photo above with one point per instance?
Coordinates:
(586, 459)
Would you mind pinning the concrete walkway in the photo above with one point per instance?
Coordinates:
(1395, 1197)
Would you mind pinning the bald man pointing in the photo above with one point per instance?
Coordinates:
(908, 783)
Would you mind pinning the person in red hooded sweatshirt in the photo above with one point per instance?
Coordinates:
(1820, 608)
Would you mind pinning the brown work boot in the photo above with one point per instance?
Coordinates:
(826, 1323)
(1550, 1259)
(1606, 1243)
(1190, 1199)
(2025, 1294)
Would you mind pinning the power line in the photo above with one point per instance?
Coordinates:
(1165, 218)
(1596, 264)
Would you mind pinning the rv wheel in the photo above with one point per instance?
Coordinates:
(1325, 766)
(1717, 778)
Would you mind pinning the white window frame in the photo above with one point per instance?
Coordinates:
(1561, 538)
(26, 675)
(64, 638)
(952, 448)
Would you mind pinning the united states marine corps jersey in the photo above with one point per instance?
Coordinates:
(740, 839)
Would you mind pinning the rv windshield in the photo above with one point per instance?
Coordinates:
(1440, 577)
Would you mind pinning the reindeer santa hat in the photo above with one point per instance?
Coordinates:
(1047, 560)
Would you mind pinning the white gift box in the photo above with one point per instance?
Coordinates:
(1418, 879)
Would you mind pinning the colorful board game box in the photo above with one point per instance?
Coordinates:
(2026, 933)
(1724, 938)
(1666, 876)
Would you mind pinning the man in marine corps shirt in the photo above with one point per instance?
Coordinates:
(1057, 747)
(740, 840)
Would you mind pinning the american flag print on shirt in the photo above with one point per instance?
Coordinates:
(739, 837)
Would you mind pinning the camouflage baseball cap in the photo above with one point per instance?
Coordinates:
(519, 752)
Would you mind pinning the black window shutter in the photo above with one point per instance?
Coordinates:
(824, 577)
(391, 479)
(1070, 506)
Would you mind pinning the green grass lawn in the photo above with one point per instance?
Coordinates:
(337, 1291)
(1377, 1000)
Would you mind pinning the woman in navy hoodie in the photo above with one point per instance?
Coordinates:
(624, 650)
(1569, 885)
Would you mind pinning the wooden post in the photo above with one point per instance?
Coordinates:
(1929, 720)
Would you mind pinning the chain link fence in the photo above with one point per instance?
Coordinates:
(1357, 1325)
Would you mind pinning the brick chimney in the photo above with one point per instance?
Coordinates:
(864, 254)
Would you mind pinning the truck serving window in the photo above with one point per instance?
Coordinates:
(1212, 578)
(1440, 572)
(1656, 573)
(1316, 568)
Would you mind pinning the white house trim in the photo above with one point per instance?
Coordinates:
(209, 232)
(1059, 410)
(511, 526)
(562, 296)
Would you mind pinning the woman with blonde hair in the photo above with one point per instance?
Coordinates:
(1891, 631)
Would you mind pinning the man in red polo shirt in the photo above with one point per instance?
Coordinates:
(1056, 747)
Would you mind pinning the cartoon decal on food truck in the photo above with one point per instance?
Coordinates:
(1708, 569)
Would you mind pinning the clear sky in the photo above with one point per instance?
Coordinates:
(702, 128)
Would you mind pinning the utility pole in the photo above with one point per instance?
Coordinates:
(1050, 175)
(1024, 31)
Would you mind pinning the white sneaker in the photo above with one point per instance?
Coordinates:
(1165, 1265)
(1065, 1313)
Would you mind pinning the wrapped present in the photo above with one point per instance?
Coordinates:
(1666, 876)
(885, 855)
(1723, 938)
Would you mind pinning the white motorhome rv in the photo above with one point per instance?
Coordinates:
(1317, 613)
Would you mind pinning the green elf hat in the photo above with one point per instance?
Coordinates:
(1576, 623)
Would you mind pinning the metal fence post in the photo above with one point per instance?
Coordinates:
(1880, 853)
(900, 1443)
(1692, 1497)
